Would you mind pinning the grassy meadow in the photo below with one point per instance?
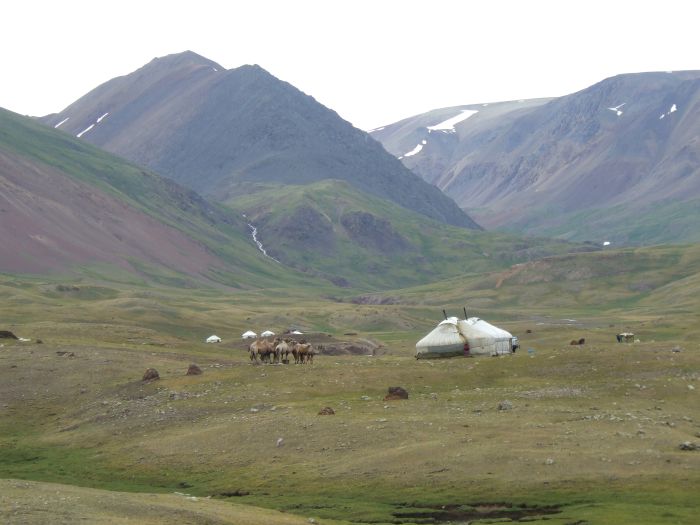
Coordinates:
(554, 433)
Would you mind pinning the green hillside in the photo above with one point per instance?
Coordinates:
(356, 240)
(624, 225)
(221, 230)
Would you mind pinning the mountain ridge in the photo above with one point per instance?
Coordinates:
(225, 131)
(628, 141)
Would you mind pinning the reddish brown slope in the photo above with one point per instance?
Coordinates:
(49, 222)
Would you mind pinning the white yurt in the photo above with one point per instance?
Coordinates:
(213, 339)
(267, 333)
(249, 335)
(464, 337)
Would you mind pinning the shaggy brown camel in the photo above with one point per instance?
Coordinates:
(283, 349)
(261, 349)
(303, 354)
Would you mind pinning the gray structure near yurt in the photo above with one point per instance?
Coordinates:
(465, 337)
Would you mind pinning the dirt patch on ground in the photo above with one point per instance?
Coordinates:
(476, 511)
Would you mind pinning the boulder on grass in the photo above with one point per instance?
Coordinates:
(193, 370)
(327, 411)
(151, 374)
(395, 393)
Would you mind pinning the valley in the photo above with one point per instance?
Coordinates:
(185, 200)
(593, 431)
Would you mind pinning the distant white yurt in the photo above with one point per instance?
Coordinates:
(267, 333)
(464, 337)
(213, 339)
(249, 335)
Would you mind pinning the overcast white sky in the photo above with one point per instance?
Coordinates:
(372, 61)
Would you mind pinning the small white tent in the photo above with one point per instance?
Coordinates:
(267, 333)
(213, 339)
(464, 337)
(249, 335)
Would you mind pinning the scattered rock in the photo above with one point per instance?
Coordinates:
(549, 461)
(65, 354)
(234, 494)
(676, 349)
(280, 442)
(395, 393)
(193, 370)
(151, 374)
(6, 334)
(505, 405)
(39, 342)
(689, 445)
(327, 411)
(365, 398)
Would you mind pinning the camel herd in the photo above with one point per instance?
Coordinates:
(278, 350)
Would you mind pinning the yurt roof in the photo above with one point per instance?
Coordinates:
(445, 333)
(488, 328)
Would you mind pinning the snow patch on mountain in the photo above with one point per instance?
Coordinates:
(673, 109)
(617, 109)
(415, 150)
(85, 130)
(99, 119)
(449, 124)
(62, 122)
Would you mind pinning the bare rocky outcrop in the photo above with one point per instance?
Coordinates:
(357, 347)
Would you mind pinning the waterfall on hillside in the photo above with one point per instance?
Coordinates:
(254, 234)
